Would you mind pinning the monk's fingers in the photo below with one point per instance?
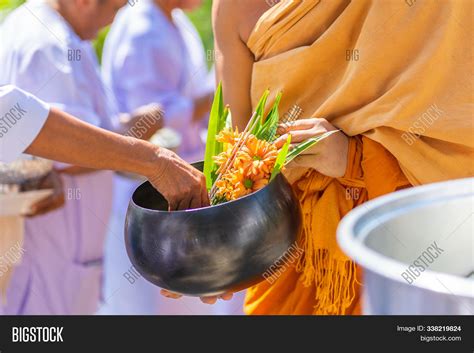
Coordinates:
(169, 294)
(279, 142)
(226, 296)
(302, 124)
(299, 136)
(209, 300)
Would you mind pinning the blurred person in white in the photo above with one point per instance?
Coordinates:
(46, 50)
(153, 54)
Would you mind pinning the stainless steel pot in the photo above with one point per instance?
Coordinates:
(211, 250)
(416, 247)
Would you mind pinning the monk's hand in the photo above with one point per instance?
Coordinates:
(205, 300)
(51, 202)
(329, 156)
(183, 186)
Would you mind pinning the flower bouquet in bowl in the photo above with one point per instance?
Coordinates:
(239, 163)
(253, 221)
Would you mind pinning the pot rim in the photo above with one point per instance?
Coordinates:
(351, 240)
(195, 210)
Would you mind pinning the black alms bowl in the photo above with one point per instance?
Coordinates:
(212, 250)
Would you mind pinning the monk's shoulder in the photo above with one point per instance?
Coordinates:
(225, 17)
(238, 16)
(228, 5)
(236, 10)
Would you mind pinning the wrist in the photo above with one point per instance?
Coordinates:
(147, 157)
(354, 148)
(159, 164)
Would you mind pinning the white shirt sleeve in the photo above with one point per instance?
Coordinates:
(22, 116)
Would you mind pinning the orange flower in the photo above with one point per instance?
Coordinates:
(221, 159)
(250, 170)
(224, 189)
(228, 135)
(236, 183)
(246, 183)
(257, 157)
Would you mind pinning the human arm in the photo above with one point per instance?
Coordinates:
(67, 139)
(234, 61)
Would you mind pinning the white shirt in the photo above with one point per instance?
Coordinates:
(21, 118)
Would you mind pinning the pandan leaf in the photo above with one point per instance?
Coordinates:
(259, 111)
(223, 118)
(303, 146)
(281, 158)
(213, 147)
(269, 129)
(219, 147)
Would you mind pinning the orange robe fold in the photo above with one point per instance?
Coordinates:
(397, 80)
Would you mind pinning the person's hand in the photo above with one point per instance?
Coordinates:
(329, 156)
(205, 300)
(52, 202)
(144, 122)
(183, 186)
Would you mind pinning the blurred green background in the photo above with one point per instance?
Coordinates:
(200, 17)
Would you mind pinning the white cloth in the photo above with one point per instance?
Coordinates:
(147, 59)
(21, 118)
(62, 266)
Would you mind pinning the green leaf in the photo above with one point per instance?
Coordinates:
(217, 119)
(259, 111)
(223, 118)
(281, 158)
(303, 146)
(219, 147)
(269, 128)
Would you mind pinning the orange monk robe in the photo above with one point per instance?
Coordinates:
(397, 79)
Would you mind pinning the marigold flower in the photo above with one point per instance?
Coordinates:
(256, 157)
(228, 135)
(236, 183)
(221, 159)
(250, 170)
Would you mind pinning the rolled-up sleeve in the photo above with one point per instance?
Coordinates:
(22, 116)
